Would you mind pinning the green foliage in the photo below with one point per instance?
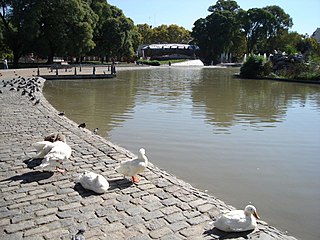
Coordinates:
(217, 32)
(255, 67)
(148, 62)
(70, 28)
(163, 34)
(306, 71)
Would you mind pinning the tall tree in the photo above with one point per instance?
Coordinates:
(66, 28)
(215, 33)
(114, 34)
(146, 33)
(263, 25)
(19, 19)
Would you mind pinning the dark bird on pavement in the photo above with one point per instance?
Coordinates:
(61, 113)
(37, 102)
(79, 235)
(82, 125)
(95, 131)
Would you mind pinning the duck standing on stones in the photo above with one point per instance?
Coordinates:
(53, 154)
(134, 166)
(238, 220)
(94, 182)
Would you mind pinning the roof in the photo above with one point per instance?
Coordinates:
(170, 46)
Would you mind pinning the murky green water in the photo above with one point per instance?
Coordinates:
(242, 140)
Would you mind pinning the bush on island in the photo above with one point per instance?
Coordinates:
(255, 67)
(148, 62)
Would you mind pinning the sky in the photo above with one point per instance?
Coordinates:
(304, 13)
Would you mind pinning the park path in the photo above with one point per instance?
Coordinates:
(43, 205)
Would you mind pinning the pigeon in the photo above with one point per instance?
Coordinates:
(82, 125)
(79, 235)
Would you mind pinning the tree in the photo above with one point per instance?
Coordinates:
(216, 33)
(164, 34)
(146, 33)
(114, 33)
(20, 25)
(66, 28)
(262, 27)
(48, 27)
(170, 34)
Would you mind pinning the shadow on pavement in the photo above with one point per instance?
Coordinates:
(218, 234)
(30, 177)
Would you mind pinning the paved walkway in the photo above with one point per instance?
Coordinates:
(42, 205)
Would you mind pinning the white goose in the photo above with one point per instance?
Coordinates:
(94, 182)
(53, 153)
(238, 220)
(133, 167)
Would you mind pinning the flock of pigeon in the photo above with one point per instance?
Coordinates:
(27, 86)
(54, 150)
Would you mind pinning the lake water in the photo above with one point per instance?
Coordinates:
(245, 141)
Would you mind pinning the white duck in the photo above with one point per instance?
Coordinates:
(134, 166)
(53, 153)
(238, 220)
(94, 182)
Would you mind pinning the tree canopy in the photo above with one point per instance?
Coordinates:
(69, 28)
(163, 34)
(228, 28)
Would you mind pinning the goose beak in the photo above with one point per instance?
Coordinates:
(255, 214)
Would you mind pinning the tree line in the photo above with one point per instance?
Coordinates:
(77, 28)
(228, 28)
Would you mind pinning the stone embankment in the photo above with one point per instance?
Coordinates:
(43, 205)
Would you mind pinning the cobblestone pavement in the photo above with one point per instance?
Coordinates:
(43, 205)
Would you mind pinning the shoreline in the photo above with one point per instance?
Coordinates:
(161, 206)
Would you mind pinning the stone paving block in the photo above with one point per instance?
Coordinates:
(21, 226)
(56, 234)
(22, 217)
(175, 217)
(160, 232)
(36, 230)
(152, 215)
(112, 227)
(155, 224)
(136, 210)
(46, 211)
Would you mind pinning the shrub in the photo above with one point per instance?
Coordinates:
(148, 62)
(255, 67)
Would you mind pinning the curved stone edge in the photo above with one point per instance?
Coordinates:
(158, 177)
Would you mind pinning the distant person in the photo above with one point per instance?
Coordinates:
(113, 68)
(5, 64)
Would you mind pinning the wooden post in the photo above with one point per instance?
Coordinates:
(75, 70)
(94, 70)
(57, 71)
(38, 71)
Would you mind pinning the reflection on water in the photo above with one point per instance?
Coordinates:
(242, 140)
